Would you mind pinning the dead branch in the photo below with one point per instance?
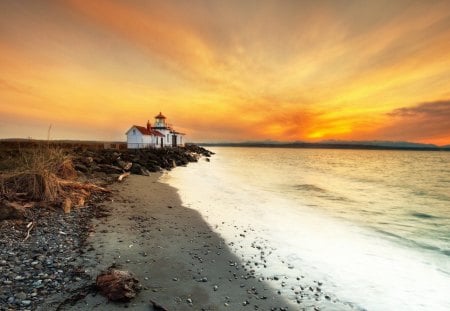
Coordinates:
(123, 176)
(81, 186)
(30, 227)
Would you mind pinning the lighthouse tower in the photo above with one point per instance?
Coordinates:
(160, 122)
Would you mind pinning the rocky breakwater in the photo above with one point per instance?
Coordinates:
(137, 161)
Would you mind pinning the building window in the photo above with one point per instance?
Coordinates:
(134, 132)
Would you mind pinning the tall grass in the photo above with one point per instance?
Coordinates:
(34, 173)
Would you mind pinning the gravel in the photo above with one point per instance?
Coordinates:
(47, 266)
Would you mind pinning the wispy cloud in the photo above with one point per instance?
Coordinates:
(430, 111)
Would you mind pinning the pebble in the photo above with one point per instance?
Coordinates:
(46, 255)
(21, 296)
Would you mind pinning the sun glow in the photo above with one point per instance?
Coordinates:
(226, 71)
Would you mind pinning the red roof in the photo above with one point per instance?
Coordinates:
(146, 131)
(156, 133)
(160, 116)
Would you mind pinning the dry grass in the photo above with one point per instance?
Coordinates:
(35, 174)
(45, 174)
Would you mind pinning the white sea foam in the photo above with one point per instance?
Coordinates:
(356, 263)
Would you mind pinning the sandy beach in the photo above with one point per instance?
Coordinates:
(181, 263)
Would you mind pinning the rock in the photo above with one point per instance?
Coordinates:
(145, 171)
(87, 160)
(21, 296)
(12, 210)
(81, 167)
(110, 169)
(126, 166)
(157, 307)
(139, 170)
(117, 285)
(26, 303)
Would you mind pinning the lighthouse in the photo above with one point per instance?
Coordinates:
(160, 135)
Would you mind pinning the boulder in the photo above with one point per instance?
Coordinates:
(124, 165)
(110, 169)
(81, 168)
(136, 169)
(117, 285)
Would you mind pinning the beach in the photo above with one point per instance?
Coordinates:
(241, 230)
(181, 263)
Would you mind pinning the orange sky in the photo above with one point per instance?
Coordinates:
(227, 70)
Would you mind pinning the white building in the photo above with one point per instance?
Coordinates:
(157, 136)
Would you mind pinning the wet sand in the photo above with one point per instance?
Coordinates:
(181, 263)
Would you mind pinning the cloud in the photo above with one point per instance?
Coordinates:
(424, 122)
(15, 87)
(433, 110)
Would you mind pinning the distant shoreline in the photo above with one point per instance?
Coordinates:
(323, 146)
(19, 142)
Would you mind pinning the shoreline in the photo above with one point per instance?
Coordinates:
(181, 263)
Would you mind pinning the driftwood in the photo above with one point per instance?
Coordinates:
(123, 176)
(157, 307)
(81, 186)
(67, 205)
(117, 285)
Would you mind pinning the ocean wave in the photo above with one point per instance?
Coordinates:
(409, 242)
(309, 187)
(422, 215)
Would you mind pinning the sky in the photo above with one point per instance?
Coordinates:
(227, 70)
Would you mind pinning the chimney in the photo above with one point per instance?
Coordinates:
(149, 126)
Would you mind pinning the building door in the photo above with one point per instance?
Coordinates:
(162, 143)
(174, 140)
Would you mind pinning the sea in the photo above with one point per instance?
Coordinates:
(373, 227)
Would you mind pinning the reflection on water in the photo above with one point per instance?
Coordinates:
(400, 192)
